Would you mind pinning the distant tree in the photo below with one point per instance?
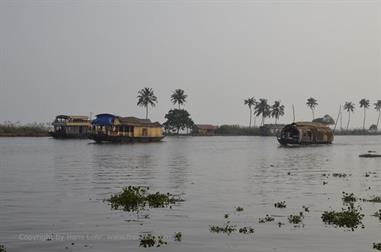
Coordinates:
(251, 103)
(277, 110)
(262, 108)
(364, 103)
(377, 107)
(349, 107)
(178, 96)
(312, 104)
(146, 97)
(178, 119)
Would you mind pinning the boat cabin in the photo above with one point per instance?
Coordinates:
(70, 126)
(112, 128)
(300, 133)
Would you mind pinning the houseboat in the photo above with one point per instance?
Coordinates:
(112, 128)
(303, 133)
(70, 126)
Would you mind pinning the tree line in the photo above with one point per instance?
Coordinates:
(176, 119)
(179, 119)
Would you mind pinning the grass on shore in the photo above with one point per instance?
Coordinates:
(16, 130)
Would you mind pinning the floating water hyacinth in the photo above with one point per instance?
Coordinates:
(348, 218)
(280, 204)
(134, 198)
(149, 240)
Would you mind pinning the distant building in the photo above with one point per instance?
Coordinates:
(204, 130)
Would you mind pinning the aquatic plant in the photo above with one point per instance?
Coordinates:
(149, 240)
(377, 214)
(295, 219)
(376, 199)
(348, 218)
(134, 198)
(340, 175)
(2, 248)
(246, 230)
(239, 209)
(268, 218)
(348, 197)
(377, 246)
(131, 198)
(160, 200)
(306, 209)
(226, 228)
(280, 204)
(178, 236)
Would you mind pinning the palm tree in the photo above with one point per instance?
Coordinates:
(312, 103)
(178, 96)
(250, 102)
(146, 97)
(364, 103)
(262, 108)
(277, 110)
(349, 107)
(377, 107)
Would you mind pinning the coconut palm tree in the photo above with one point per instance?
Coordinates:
(262, 108)
(312, 104)
(277, 110)
(364, 103)
(146, 97)
(178, 96)
(377, 107)
(251, 103)
(349, 107)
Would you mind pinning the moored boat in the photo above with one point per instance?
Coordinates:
(112, 128)
(303, 133)
(70, 126)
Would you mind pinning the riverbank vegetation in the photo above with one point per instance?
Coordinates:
(9, 129)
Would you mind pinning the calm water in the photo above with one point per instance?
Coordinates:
(52, 187)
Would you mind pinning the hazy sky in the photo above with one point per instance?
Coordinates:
(78, 57)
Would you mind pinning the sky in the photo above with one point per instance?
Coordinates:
(82, 57)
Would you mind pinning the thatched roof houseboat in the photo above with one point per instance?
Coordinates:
(300, 133)
(112, 128)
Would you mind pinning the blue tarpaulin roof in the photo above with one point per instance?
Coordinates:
(103, 119)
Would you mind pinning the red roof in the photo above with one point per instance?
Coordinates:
(206, 126)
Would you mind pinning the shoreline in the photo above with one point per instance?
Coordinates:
(183, 135)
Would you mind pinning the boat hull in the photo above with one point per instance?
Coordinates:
(99, 138)
(61, 135)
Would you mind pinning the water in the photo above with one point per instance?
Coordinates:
(55, 189)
